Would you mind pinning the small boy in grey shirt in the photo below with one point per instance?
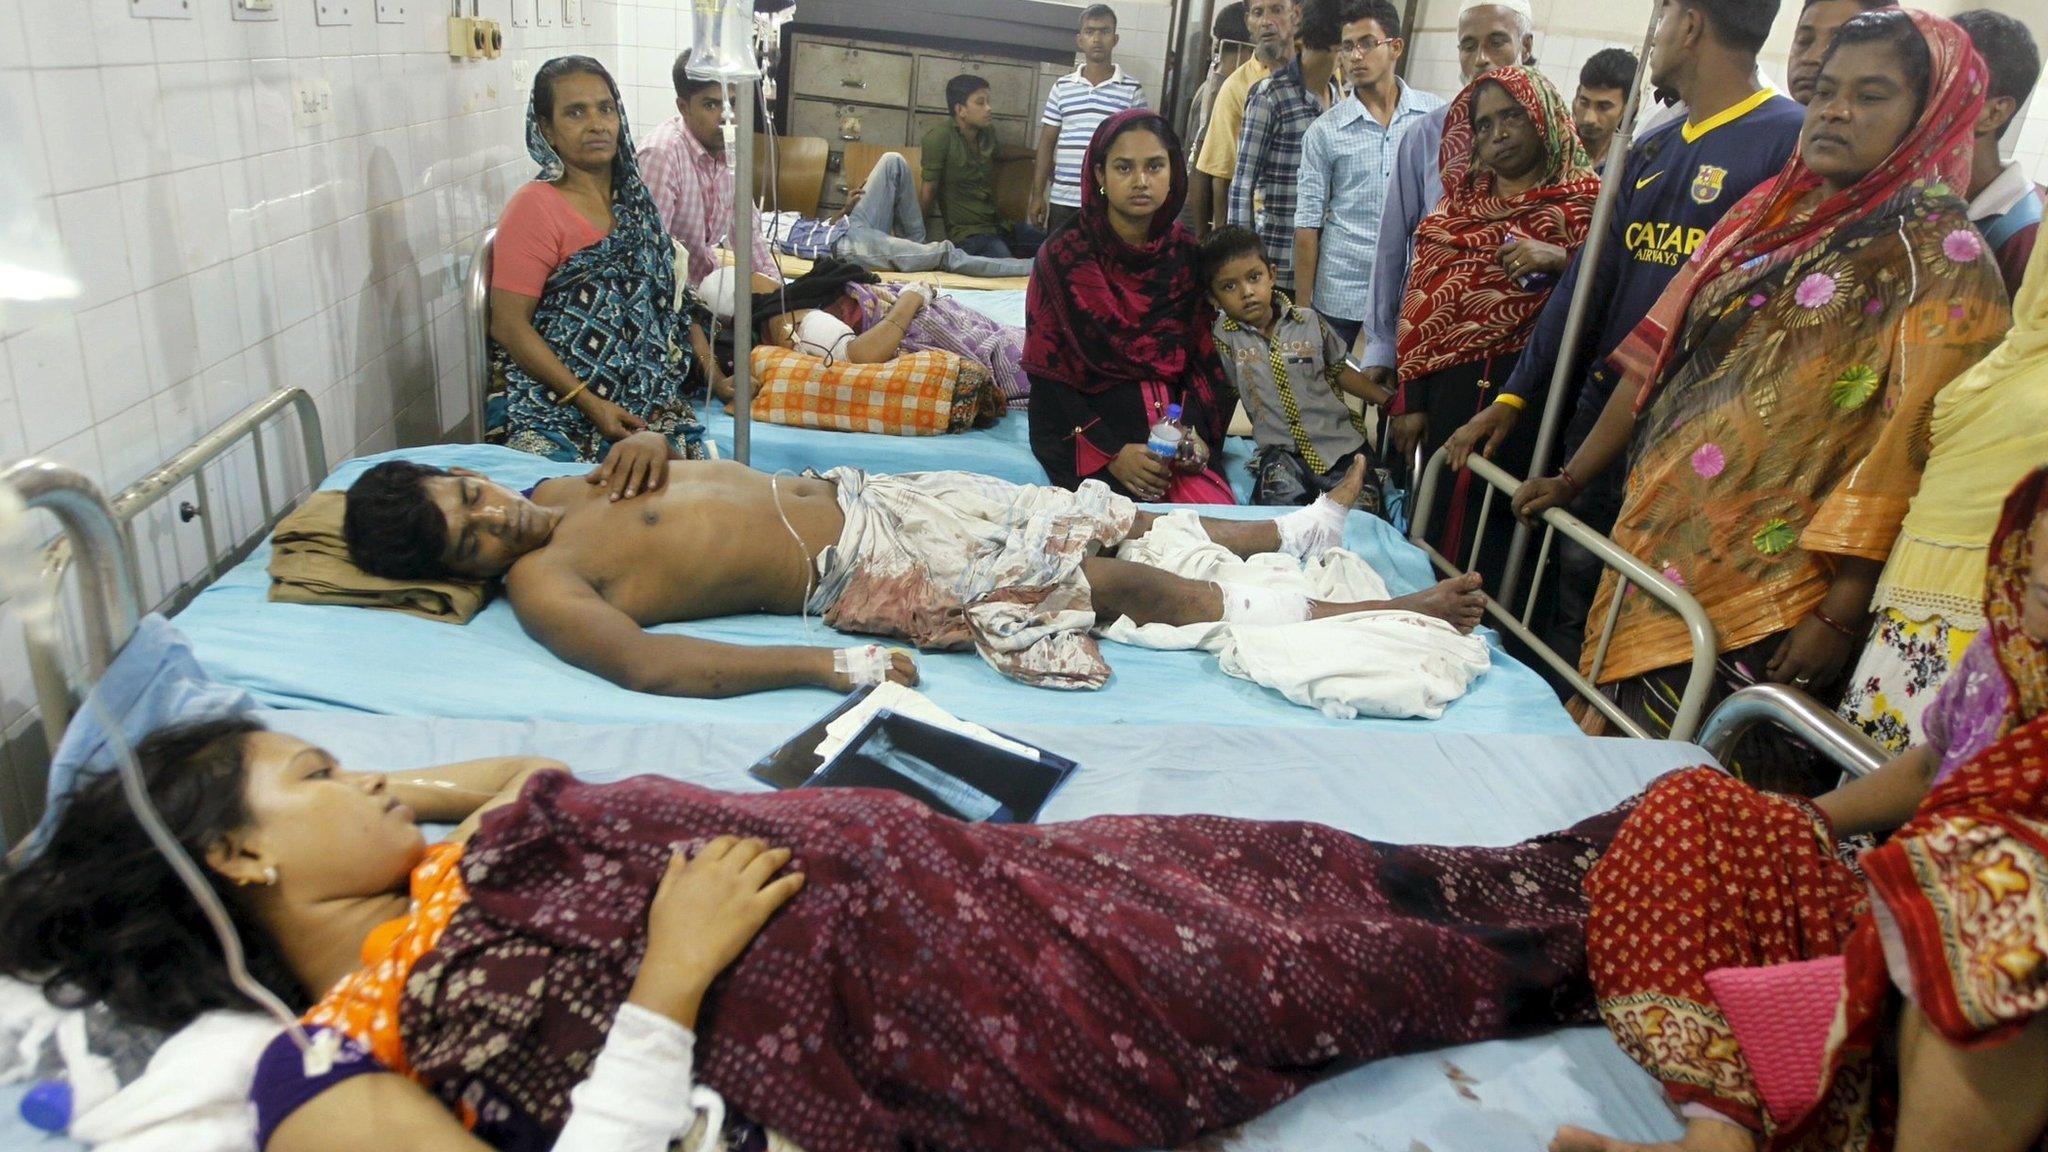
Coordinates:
(1291, 370)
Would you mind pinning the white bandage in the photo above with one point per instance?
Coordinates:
(865, 665)
(1256, 604)
(1310, 531)
(631, 1101)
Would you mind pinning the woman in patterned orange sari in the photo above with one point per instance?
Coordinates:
(1709, 874)
(1776, 399)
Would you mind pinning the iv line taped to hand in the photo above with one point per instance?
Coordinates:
(864, 665)
(35, 602)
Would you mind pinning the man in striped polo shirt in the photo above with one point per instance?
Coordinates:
(1078, 103)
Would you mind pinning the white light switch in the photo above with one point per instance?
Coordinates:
(255, 9)
(572, 13)
(393, 11)
(332, 12)
(312, 102)
(522, 13)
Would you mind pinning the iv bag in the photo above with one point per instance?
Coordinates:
(724, 41)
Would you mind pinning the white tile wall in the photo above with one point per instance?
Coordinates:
(226, 252)
(650, 34)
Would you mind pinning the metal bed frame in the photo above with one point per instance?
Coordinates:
(98, 537)
(476, 315)
(1705, 643)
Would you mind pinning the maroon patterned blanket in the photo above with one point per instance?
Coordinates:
(1119, 982)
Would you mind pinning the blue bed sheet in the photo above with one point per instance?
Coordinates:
(305, 656)
(1412, 786)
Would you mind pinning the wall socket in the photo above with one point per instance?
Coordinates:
(312, 102)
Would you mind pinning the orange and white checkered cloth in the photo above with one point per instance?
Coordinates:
(917, 394)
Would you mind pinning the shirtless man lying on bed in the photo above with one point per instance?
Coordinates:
(944, 559)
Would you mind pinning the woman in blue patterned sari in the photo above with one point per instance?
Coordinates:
(592, 345)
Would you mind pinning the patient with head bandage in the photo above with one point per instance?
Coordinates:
(583, 966)
(841, 311)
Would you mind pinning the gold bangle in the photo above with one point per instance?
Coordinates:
(571, 394)
(1512, 401)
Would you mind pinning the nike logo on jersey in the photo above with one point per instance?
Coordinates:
(1646, 181)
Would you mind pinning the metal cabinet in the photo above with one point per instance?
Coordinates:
(843, 123)
(845, 71)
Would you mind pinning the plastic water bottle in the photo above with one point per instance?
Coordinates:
(47, 1106)
(1165, 439)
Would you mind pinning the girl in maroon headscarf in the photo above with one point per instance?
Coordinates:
(1117, 327)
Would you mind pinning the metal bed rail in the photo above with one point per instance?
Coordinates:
(1705, 642)
(476, 316)
(1812, 722)
(106, 603)
(99, 536)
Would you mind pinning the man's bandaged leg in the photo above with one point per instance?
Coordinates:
(1255, 604)
(1308, 532)
(865, 665)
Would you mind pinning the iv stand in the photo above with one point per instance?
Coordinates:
(742, 104)
(1575, 320)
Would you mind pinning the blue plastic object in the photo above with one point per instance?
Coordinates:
(48, 1105)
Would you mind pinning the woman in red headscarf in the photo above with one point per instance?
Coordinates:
(1117, 327)
(1776, 400)
(1920, 980)
(1514, 170)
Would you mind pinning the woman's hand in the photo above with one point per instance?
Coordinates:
(612, 422)
(1811, 656)
(1407, 432)
(1544, 492)
(705, 913)
(1142, 474)
(637, 464)
(1484, 433)
(1521, 256)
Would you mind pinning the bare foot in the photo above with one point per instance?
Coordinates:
(1345, 494)
(1701, 1135)
(1458, 601)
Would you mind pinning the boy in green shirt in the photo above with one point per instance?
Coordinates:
(960, 161)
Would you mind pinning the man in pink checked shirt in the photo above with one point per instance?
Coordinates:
(683, 165)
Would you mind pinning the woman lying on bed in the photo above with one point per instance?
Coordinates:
(843, 311)
(845, 966)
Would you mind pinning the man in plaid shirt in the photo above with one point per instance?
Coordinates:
(683, 165)
(1281, 107)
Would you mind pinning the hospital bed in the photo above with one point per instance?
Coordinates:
(299, 656)
(1417, 784)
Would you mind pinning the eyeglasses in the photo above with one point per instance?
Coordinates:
(1365, 47)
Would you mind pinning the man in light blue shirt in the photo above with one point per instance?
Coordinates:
(1347, 156)
(1490, 35)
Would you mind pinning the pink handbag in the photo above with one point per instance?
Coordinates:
(1781, 1015)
